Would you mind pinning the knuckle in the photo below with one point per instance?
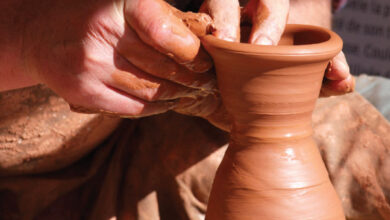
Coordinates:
(156, 30)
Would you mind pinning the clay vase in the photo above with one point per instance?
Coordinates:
(272, 168)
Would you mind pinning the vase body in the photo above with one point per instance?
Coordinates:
(272, 168)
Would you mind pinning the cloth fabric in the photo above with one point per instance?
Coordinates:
(162, 167)
(376, 90)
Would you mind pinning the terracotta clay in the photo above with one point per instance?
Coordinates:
(272, 168)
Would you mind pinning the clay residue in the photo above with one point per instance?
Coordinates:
(199, 23)
(130, 82)
(171, 36)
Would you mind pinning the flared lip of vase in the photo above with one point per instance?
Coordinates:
(312, 51)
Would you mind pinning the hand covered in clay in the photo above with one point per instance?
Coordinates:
(269, 18)
(338, 79)
(226, 26)
(127, 57)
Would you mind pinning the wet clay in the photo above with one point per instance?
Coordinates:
(183, 45)
(200, 24)
(272, 168)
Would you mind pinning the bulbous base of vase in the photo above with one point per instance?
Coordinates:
(283, 180)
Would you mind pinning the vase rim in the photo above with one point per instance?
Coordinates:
(326, 48)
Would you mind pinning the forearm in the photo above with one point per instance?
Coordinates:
(12, 71)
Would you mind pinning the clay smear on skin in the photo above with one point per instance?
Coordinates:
(263, 13)
(130, 82)
(163, 90)
(187, 27)
(177, 29)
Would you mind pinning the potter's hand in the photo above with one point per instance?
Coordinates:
(269, 18)
(130, 57)
(338, 80)
(226, 19)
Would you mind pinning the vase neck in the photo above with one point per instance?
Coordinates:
(272, 128)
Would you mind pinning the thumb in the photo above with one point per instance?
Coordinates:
(268, 18)
(156, 24)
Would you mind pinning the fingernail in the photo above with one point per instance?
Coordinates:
(262, 40)
(225, 37)
(230, 39)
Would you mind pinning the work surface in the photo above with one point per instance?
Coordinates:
(162, 167)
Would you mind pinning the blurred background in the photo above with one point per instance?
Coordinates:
(364, 26)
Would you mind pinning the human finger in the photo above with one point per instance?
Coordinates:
(157, 64)
(209, 107)
(128, 78)
(337, 87)
(90, 95)
(156, 24)
(338, 68)
(116, 103)
(226, 17)
(268, 18)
